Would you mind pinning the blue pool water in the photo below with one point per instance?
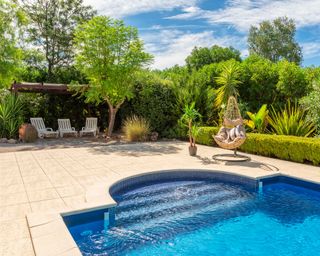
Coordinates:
(204, 217)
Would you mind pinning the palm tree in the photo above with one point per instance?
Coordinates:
(228, 81)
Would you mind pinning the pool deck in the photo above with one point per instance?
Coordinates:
(42, 183)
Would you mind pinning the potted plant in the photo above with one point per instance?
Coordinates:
(194, 133)
(189, 118)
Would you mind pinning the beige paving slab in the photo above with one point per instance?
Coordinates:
(13, 230)
(19, 247)
(13, 212)
(52, 204)
(70, 190)
(13, 199)
(41, 195)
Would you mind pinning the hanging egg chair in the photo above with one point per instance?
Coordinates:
(232, 133)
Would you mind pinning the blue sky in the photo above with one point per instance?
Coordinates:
(171, 28)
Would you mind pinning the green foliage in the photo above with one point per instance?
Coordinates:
(154, 98)
(136, 128)
(291, 121)
(291, 148)
(206, 135)
(311, 103)
(189, 118)
(229, 82)
(292, 83)
(259, 78)
(51, 31)
(194, 133)
(11, 19)
(275, 40)
(202, 56)
(10, 116)
(109, 54)
(258, 121)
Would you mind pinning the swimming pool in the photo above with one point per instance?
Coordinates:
(204, 216)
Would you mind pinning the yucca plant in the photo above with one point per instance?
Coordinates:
(189, 118)
(136, 128)
(10, 116)
(228, 81)
(258, 121)
(291, 121)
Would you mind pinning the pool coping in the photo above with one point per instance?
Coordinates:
(51, 237)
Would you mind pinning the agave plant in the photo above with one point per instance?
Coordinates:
(291, 121)
(228, 81)
(10, 116)
(258, 121)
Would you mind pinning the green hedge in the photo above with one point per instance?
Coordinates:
(297, 149)
(205, 135)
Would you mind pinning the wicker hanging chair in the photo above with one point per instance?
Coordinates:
(232, 134)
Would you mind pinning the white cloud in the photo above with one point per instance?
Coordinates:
(121, 8)
(243, 13)
(311, 49)
(171, 47)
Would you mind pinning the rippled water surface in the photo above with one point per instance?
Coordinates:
(206, 218)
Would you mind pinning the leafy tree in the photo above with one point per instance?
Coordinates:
(311, 103)
(109, 54)
(11, 17)
(202, 56)
(228, 81)
(198, 58)
(275, 40)
(219, 54)
(292, 83)
(51, 29)
(259, 79)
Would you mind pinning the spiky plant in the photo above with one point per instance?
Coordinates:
(136, 128)
(228, 81)
(10, 116)
(291, 121)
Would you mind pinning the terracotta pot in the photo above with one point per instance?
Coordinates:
(28, 133)
(193, 150)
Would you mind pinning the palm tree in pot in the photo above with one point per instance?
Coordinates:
(189, 118)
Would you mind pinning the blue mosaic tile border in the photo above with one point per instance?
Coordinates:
(291, 181)
(176, 175)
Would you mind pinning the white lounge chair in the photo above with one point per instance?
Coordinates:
(43, 131)
(65, 127)
(91, 126)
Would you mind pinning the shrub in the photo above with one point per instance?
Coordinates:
(205, 135)
(297, 149)
(291, 148)
(312, 104)
(258, 121)
(10, 116)
(153, 99)
(291, 121)
(136, 128)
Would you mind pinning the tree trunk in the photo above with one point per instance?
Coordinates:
(112, 118)
(112, 115)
